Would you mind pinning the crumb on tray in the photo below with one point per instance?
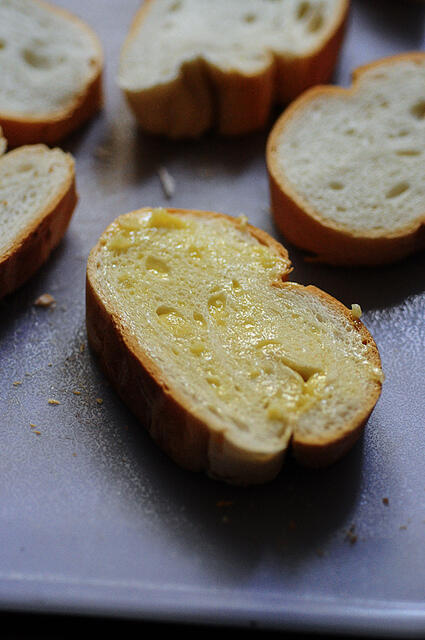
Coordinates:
(45, 300)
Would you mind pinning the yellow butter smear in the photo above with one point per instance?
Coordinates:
(200, 294)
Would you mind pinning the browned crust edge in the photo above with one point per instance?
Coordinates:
(50, 128)
(204, 96)
(34, 244)
(168, 417)
(319, 453)
(302, 225)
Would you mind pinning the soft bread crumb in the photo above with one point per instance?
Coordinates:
(356, 310)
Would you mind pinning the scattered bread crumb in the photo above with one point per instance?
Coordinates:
(351, 536)
(17, 383)
(45, 300)
(82, 347)
(32, 425)
(385, 501)
(52, 401)
(243, 221)
(224, 503)
(99, 400)
(76, 393)
(167, 182)
(403, 527)
(37, 433)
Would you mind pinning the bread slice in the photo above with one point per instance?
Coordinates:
(37, 198)
(190, 65)
(50, 69)
(224, 362)
(346, 166)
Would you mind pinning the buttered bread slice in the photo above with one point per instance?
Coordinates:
(224, 362)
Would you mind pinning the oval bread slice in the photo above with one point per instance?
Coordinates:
(37, 198)
(347, 166)
(191, 65)
(224, 362)
(50, 68)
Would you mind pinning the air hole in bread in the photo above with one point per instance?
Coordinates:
(302, 10)
(175, 6)
(23, 168)
(336, 186)
(316, 22)
(236, 285)
(397, 190)
(214, 381)
(158, 266)
(408, 152)
(217, 302)
(199, 318)
(37, 60)
(418, 110)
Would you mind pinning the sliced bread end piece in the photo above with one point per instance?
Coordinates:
(37, 198)
(220, 358)
(346, 166)
(192, 65)
(51, 69)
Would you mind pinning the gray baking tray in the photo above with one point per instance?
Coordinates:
(94, 519)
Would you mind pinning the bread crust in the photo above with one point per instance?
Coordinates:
(203, 96)
(51, 127)
(36, 241)
(303, 225)
(168, 415)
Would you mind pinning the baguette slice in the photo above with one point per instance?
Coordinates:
(224, 362)
(190, 65)
(347, 166)
(50, 68)
(37, 198)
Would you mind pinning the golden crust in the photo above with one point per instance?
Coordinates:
(302, 225)
(169, 417)
(204, 96)
(36, 241)
(52, 127)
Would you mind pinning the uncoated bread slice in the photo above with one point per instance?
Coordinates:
(190, 65)
(50, 68)
(225, 363)
(37, 198)
(347, 166)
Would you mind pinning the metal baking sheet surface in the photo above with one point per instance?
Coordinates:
(95, 519)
